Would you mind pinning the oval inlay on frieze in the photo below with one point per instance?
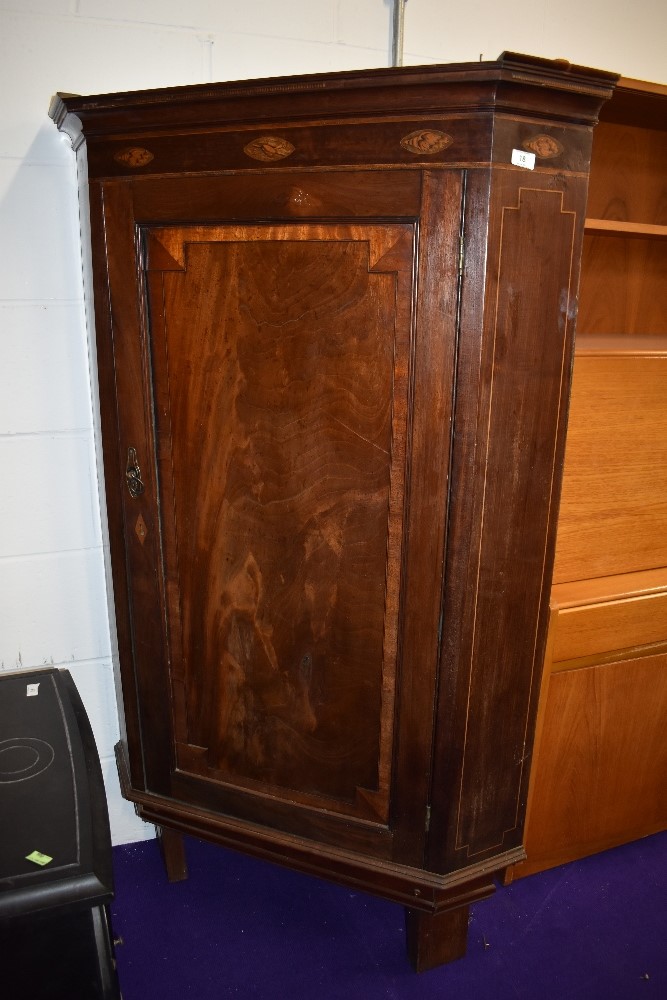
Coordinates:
(134, 156)
(269, 147)
(544, 146)
(426, 141)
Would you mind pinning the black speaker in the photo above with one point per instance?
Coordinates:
(55, 847)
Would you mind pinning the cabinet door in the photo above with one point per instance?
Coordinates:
(275, 382)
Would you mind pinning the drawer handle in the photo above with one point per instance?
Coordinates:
(133, 474)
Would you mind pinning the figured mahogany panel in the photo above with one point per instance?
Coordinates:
(280, 381)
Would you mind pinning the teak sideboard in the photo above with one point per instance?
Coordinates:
(334, 321)
(599, 776)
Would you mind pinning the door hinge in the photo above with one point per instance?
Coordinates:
(428, 819)
(462, 253)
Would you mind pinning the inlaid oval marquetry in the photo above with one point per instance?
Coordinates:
(426, 141)
(268, 147)
(134, 156)
(544, 146)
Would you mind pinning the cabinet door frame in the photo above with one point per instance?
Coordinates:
(429, 201)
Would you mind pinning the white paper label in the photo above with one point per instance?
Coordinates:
(32, 690)
(522, 158)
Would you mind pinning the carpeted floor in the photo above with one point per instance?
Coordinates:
(237, 928)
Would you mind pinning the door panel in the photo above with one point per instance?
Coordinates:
(286, 389)
(280, 377)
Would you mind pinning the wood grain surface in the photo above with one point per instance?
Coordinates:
(613, 515)
(343, 375)
(279, 472)
(596, 784)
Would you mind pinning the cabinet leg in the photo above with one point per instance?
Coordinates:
(172, 848)
(433, 940)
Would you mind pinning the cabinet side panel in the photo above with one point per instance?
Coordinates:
(493, 654)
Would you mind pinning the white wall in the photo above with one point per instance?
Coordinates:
(52, 601)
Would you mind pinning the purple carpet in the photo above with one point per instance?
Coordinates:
(243, 928)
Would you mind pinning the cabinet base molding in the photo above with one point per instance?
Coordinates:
(426, 891)
(414, 887)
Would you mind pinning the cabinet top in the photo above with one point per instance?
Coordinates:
(513, 84)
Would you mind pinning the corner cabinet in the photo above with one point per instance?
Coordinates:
(334, 322)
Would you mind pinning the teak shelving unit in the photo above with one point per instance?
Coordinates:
(600, 768)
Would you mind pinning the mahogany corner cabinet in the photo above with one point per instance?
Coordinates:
(334, 322)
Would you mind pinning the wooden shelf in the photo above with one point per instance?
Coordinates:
(623, 586)
(620, 344)
(616, 227)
